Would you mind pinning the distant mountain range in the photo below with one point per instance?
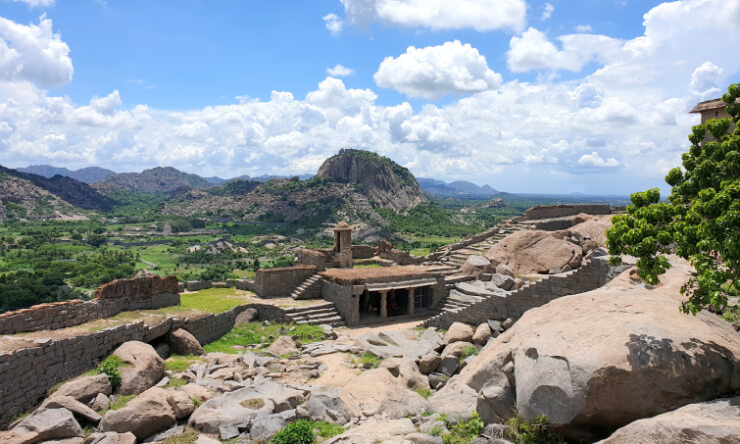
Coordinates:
(85, 175)
(457, 188)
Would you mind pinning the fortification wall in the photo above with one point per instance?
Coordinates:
(552, 211)
(26, 375)
(279, 282)
(590, 276)
(141, 293)
(198, 285)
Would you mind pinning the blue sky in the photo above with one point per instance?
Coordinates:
(527, 96)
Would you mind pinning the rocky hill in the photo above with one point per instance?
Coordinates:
(21, 199)
(85, 175)
(457, 188)
(383, 181)
(154, 180)
(70, 190)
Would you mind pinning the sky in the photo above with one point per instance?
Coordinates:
(557, 96)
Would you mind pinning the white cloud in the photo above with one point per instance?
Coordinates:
(33, 53)
(481, 15)
(35, 3)
(333, 23)
(547, 12)
(533, 51)
(705, 80)
(595, 160)
(432, 72)
(583, 28)
(340, 71)
(617, 128)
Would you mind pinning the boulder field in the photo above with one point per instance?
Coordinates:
(596, 361)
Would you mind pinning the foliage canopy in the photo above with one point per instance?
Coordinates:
(700, 221)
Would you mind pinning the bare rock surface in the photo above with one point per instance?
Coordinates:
(143, 367)
(378, 393)
(145, 415)
(80, 410)
(714, 422)
(407, 371)
(44, 425)
(184, 343)
(247, 316)
(111, 438)
(374, 430)
(645, 357)
(476, 265)
(482, 334)
(283, 346)
(529, 252)
(459, 332)
(85, 388)
(455, 399)
(401, 343)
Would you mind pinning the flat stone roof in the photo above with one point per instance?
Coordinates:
(355, 276)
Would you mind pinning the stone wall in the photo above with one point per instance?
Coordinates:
(590, 276)
(198, 285)
(363, 251)
(552, 211)
(321, 259)
(343, 298)
(26, 375)
(280, 282)
(120, 295)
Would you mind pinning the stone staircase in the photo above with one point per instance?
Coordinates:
(308, 289)
(325, 313)
(458, 257)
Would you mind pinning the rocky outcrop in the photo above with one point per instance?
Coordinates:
(714, 422)
(383, 181)
(596, 361)
(44, 425)
(529, 252)
(145, 415)
(142, 367)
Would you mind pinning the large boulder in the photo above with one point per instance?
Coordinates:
(407, 371)
(459, 332)
(528, 252)
(283, 346)
(85, 388)
(375, 431)
(476, 265)
(714, 422)
(44, 425)
(184, 343)
(482, 334)
(142, 368)
(326, 404)
(645, 357)
(378, 393)
(455, 399)
(80, 410)
(145, 415)
(111, 438)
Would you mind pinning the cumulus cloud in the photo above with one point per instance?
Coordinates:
(705, 79)
(34, 53)
(618, 128)
(432, 72)
(533, 51)
(481, 15)
(340, 71)
(547, 12)
(333, 23)
(583, 28)
(595, 160)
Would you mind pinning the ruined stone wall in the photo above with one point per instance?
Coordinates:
(590, 276)
(280, 282)
(198, 285)
(363, 251)
(344, 300)
(318, 258)
(120, 295)
(552, 211)
(26, 375)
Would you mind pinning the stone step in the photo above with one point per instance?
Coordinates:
(328, 305)
(315, 312)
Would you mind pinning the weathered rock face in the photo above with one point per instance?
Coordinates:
(476, 265)
(378, 393)
(283, 346)
(44, 425)
(85, 388)
(143, 369)
(645, 357)
(459, 332)
(145, 415)
(383, 181)
(184, 343)
(529, 252)
(714, 422)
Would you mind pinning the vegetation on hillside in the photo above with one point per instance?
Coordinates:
(700, 220)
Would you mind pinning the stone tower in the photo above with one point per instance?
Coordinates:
(343, 244)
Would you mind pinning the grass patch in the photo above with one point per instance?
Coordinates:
(463, 432)
(327, 430)
(468, 351)
(213, 300)
(119, 403)
(110, 367)
(176, 383)
(178, 363)
(56, 386)
(425, 393)
(731, 314)
(254, 404)
(251, 333)
(188, 437)
(370, 358)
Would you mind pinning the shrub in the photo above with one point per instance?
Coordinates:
(537, 431)
(110, 367)
(299, 432)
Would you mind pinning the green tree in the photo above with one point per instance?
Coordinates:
(700, 221)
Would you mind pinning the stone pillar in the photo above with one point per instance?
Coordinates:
(411, 301)
(384, 304)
